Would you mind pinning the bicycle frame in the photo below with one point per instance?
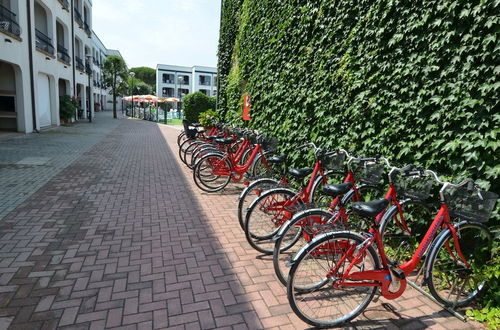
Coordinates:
(385, 277)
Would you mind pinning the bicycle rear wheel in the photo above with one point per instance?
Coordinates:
(312, 293)
(450, 281)
(205, 172)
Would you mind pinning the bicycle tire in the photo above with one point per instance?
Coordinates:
(441, 268)
(181, 138)
(283, 251)
(309, 271)
(259, 230)
(199, 152)
(184, 146)
(250, 193)
(399, 240)
(200, 179)
(188, 151)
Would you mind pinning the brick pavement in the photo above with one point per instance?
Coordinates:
(121, 238)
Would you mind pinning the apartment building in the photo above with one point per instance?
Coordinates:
(178, 81)
(47, 49)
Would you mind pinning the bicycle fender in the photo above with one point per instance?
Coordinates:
(250, 186)
(306, 248)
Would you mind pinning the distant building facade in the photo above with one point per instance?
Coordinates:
(178, 81)
(48, 49)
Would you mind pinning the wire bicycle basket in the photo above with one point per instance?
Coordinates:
(367, 171)
(471, 206)
(413, 186)
(334, 161)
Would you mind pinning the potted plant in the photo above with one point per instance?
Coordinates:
(67, 108)
(208, 118)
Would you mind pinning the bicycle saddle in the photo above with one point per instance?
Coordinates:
(213, 137)
(370, 209)
(336, 189)
(276, 159)
(224, 141)
(300, 173)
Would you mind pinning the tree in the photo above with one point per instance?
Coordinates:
(115, 75)
(196, 103)
(140, 87)
(148, 75)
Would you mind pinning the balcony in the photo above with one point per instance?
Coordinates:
(78, 18)
(88, 68)
(86, 27)
(62, 54)
(8, 22)
(64, 4)
(79, 64)
(94, 83)
(168, 81)
(43, 42)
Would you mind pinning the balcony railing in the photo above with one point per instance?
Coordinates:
(78, 18)
(168, 81)
(43, 42)
(88, 68)
(79, 64)
(205, 83)
(8, 21)
(87, 29)
(64, 3)
(62, 54)
(184, 82)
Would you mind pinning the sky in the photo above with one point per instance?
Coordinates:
(151, 32)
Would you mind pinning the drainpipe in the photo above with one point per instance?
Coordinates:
(32, 79)
(72, 12)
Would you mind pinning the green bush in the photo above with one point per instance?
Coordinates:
(67, 107)
(194, 104)
(208, 118)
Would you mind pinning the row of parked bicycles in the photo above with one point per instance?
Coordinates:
(348, 229)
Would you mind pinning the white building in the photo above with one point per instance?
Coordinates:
(178, 81)
(47, 49)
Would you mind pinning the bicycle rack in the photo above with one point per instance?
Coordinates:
(420, 289)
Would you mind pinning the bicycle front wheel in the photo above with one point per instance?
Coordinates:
(250, 193)
(266, 215)
(326, 303)
(211, 173)
(450, 280)
(307, 224)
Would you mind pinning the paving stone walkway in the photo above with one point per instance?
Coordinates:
(120, 237)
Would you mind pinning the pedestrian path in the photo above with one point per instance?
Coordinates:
(120, 237)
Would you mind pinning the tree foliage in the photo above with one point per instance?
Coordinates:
(115, 74)
(147, 75)
(196, 103)
(139, 86)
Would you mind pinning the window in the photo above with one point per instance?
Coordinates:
(205, 91)
(182, 92)
(167, 92)
(205, 80)
(168, 78)
(183, 80)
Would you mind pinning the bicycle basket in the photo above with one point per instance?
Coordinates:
(367, 171)
(413, 186)
(476, 206)
(334, 162)
(269, 143)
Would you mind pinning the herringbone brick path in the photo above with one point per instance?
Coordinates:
(122, 238)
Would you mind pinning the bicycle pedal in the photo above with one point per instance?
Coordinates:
(396, 271)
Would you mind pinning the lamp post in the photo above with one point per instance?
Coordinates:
(180, 97)
(88, 56)
(132, 75)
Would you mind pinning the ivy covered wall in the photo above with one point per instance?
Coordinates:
(417, 81)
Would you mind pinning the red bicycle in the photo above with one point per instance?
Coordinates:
(340, 272)
(274, 207)
(214, 170)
